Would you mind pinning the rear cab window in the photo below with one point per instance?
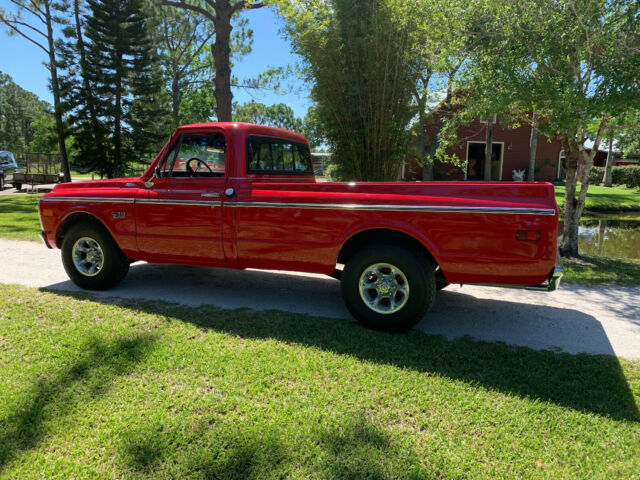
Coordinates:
(277, 156)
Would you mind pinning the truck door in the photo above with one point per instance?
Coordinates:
(180, 217)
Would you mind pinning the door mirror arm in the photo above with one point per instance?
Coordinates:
(157, 174)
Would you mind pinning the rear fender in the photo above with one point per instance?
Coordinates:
(395, 227)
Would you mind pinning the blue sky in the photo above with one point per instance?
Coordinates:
(24, 62)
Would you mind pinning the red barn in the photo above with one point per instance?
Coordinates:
(510, 152)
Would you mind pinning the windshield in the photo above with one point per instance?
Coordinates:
(6, 157)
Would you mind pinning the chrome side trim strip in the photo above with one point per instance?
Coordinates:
(88, 199)
(317, 206)
(208, 203)
(399, 208)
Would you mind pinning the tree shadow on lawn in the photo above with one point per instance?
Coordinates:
(592, 383)
(14, 208)
(53, 395)
(348, 446)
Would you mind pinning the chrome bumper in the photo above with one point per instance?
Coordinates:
(44, 240)
(553, 281)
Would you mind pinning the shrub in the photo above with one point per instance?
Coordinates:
(625, 175)
(332, 173)
(595, 175)
(629, 176)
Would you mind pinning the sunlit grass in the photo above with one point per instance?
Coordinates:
(594, 270)
(19, 219)
(610, 199)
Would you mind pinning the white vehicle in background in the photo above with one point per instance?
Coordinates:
(8, 167)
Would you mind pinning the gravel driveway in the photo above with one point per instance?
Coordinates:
(573, 319)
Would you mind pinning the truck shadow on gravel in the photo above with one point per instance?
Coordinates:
(593, 383)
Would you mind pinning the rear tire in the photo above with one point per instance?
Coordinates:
(17, 186)
(92, 258)
(388, 287)
(1, 182)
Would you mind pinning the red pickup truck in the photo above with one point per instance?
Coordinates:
(241, 196)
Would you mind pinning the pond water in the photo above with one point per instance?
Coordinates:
(619, 237)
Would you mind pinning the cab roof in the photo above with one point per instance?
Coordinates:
(246, 129)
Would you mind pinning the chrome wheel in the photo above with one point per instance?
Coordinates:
(384, 288)
(87, 256)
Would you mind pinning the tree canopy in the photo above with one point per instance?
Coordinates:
(573, 62)
(19, 109)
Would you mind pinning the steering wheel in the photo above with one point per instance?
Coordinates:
(190, 169)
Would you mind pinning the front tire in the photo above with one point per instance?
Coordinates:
(388, 287)
(91, 257)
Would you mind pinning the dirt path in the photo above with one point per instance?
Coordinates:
(573, 319)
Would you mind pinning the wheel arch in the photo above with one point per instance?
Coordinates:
(384, 234)
(74, 218)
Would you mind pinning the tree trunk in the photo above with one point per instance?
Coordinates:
(175, 101)
(488, 152)
(427, 156)
(221, 50)
(117, 124)
(55, 89)
(533, 147)
(607, 179)
(575, 206)
(569, 245)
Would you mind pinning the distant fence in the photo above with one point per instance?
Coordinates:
(320, 163)
(43, 163)
(51, 164)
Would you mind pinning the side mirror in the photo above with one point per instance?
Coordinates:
(157, 174)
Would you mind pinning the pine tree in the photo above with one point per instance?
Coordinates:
(114, 86)
(89, 134)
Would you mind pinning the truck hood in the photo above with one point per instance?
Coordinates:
(108, 183)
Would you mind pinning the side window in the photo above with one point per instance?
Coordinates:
(198, 155)
(302, 160)
(272, 155)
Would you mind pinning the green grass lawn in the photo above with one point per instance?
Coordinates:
(153, 390)
(603, 199)
(594, 270)
(19, 219)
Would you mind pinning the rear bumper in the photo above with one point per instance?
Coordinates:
(555, 276)
(552, 282)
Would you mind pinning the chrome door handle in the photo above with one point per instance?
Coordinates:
(211, 195)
